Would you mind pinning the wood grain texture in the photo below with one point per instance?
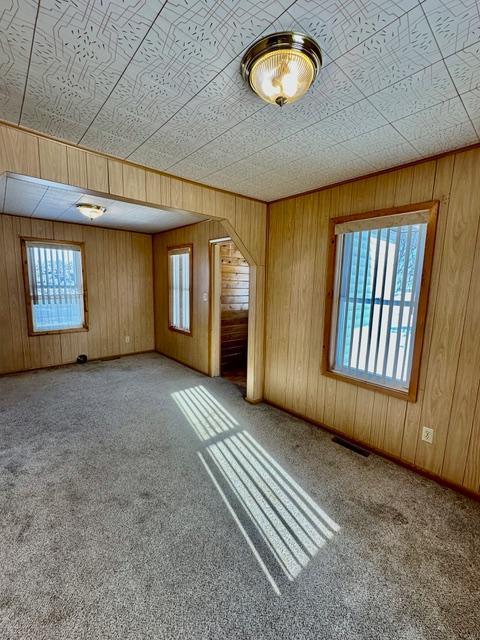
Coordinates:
(19, 152)
(77, 167)
(53, 161)
(120, 295)
(192, 350)
(244, 221)
(234, 270)
(449, 377)
(97, 172)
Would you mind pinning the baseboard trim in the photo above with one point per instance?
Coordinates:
(184, 364)
(68, 364)
(402, 463)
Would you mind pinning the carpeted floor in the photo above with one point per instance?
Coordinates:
(140, 500)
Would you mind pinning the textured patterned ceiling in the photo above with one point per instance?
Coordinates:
(50, 201)
(159, 83)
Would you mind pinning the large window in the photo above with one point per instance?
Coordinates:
(378, 287)
(54, 286)
(180, 288)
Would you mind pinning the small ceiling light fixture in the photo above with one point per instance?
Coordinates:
(281, 67)
(91, 211)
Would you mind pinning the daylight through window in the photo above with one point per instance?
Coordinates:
(179, 280)
(55, 287)
(377, 294)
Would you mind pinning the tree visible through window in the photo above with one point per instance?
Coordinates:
(378, 302)
(54, 285)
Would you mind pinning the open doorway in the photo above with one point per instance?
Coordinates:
(230, 302)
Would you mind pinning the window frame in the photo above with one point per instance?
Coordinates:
(431, 207)
(172, 250)
(26, 283)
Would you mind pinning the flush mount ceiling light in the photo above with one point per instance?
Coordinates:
(91, 211)
(281, 67)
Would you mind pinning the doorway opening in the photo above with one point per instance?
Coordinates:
(230, 302)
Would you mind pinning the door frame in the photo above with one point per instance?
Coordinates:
(214, 317)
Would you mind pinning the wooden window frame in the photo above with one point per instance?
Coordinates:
(172, 250)
(331, 302)
(26, 283)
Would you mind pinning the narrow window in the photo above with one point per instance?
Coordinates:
(379, 276)
(54, 286)
(180, 288)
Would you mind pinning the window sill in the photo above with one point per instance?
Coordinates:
(181, 331)
(53, 332)
(409, 396)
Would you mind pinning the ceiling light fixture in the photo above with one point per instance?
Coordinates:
(91, 211)
(281, 67)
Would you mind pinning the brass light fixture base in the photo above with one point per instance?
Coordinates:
(282, 42)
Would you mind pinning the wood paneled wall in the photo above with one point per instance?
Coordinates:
(234, 271)
(244, 219)
(192, 350)
(42, 157)
(448, 398)
(120, 295)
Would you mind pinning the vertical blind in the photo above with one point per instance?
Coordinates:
(179, 284)
(56, 286)
(379, 274)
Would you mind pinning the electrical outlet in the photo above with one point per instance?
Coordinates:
(427, 435)
(127, 339)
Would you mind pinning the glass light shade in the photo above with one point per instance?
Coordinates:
(91, 211)
(282, 76)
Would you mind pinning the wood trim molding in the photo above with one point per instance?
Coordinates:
(380, 452)
(374, 174)
(26, 284)
(124, 161)
(116, 356)
(332, 294)
(175, 250)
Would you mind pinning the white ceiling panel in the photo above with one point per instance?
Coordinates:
(471, 100)
(426, 88)
(456, 23)
(43, 199)
(187, 47)
(402, 48)
(159, 83)
(340, 25)
(463, 134)
(464, 68)
(17, 20)
(79, 53)
(432, 120)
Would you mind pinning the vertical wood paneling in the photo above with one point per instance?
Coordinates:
(471, 478)
(157, 188)
(189, 349)
(134, 182)
(112, 259)
(441, 190)
(53, 160)
(449, 386)
(315, 387)
(19, 152)
(457, 265)
(234, 276)
(97, 172)
(225, 206)
(115, 177)
(77, 167)
(192, 199)
(176, 193)
(256, 334)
